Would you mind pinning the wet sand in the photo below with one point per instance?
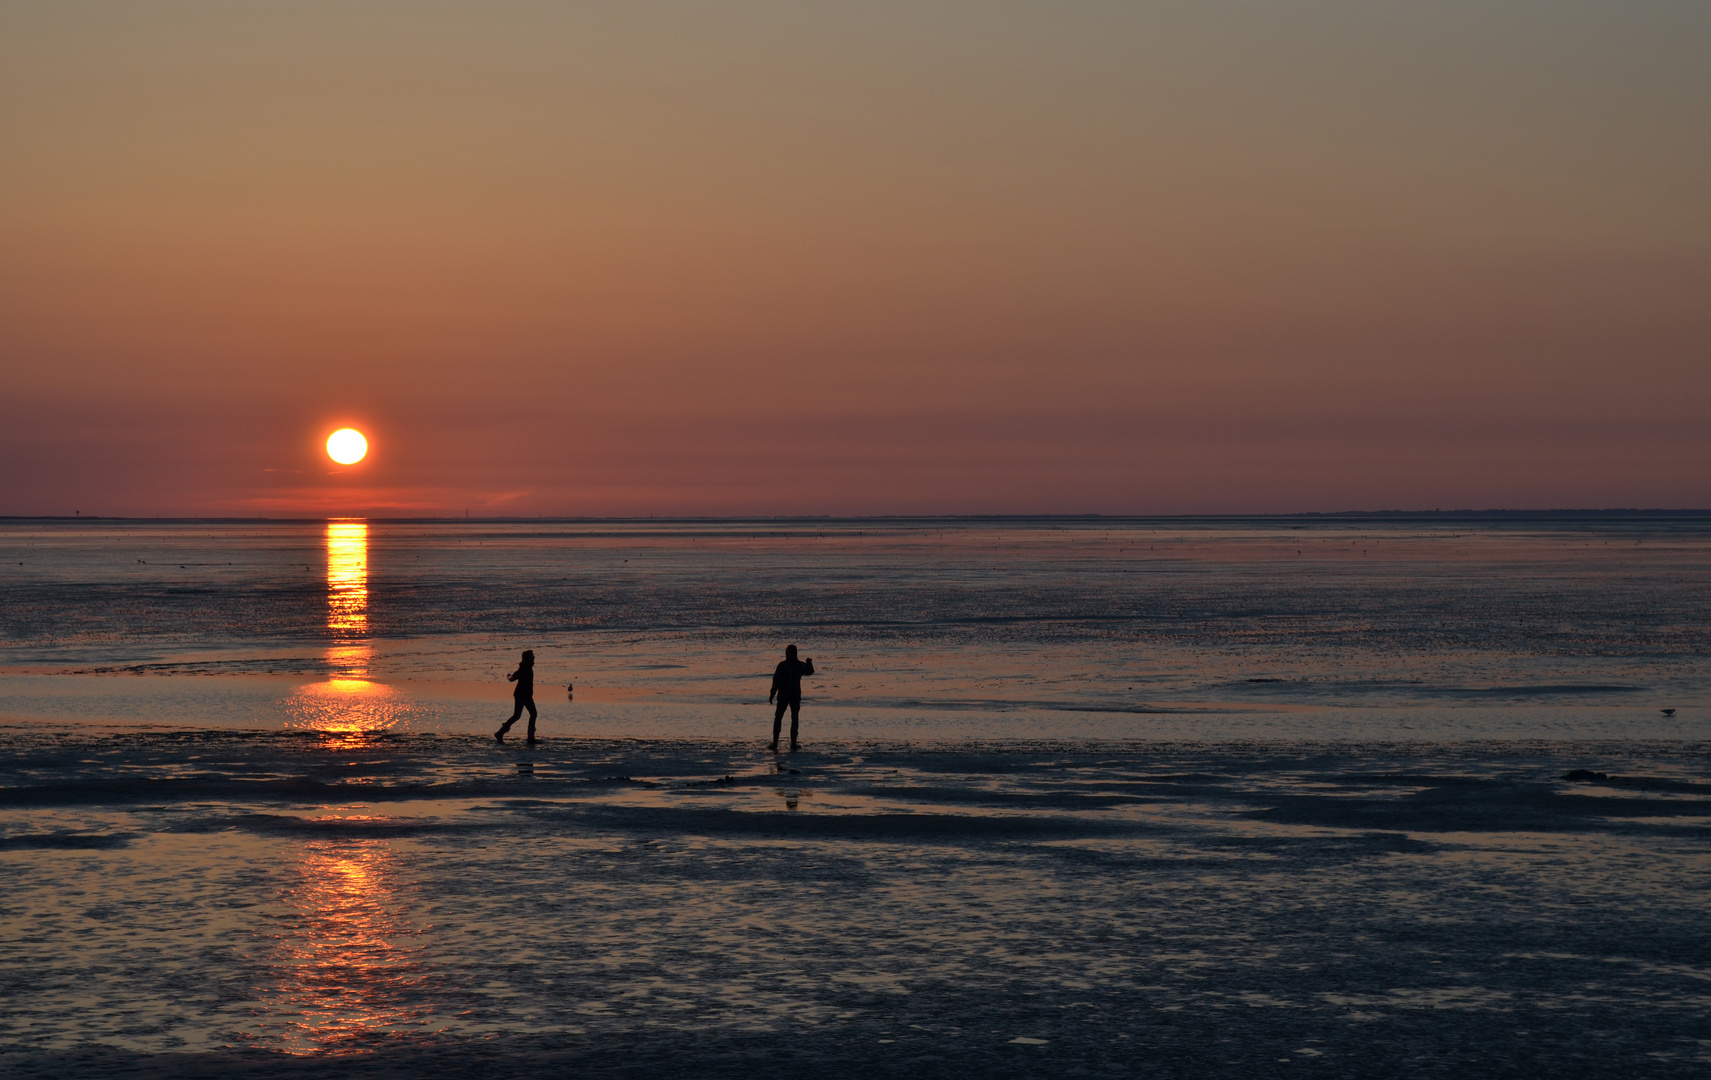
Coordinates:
(203, 903)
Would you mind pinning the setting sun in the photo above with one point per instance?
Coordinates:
(347, 446)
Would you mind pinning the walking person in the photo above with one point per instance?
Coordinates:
(787, 688)
(523, 695)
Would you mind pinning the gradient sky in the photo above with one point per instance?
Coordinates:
(743, 257)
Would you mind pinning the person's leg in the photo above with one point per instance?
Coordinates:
(531, 705)
(777, 719)
(506, 726)
(795, 716)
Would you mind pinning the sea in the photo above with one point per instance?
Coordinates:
(1367, 795)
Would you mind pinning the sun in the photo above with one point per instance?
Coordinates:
(346, 446)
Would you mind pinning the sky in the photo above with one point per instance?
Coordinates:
(1219, 256)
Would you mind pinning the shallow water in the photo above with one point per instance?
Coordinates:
(1280, 629)
(1044, 824)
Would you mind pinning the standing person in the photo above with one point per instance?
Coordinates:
(787, 688)
(523, 695)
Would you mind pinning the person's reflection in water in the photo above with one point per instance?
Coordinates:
(524, 695)
(787, 688)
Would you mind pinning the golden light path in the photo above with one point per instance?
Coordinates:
(347, 955)
(347, 703)
(347, 581)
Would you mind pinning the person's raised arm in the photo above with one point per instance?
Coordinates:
(809, 669)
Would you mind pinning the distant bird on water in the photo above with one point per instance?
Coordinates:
(1667, 712)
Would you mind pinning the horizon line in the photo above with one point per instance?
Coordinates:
(1514, 514)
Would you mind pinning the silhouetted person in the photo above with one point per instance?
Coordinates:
(787, 688)
(524, 695)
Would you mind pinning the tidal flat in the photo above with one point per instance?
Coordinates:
(1067, 805)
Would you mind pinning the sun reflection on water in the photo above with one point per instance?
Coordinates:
(347, 580)
(348, 703)
(350, 965)
(348, 708)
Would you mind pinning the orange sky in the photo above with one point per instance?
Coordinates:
(840, 258)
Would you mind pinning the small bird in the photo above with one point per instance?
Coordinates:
(1667, 712)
